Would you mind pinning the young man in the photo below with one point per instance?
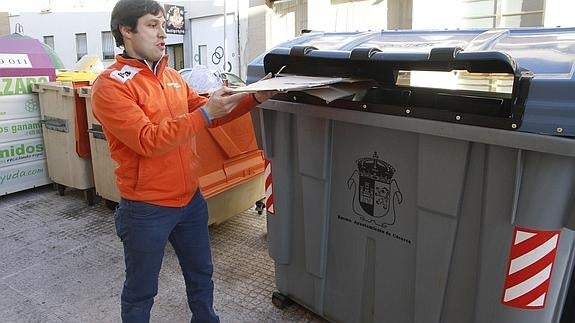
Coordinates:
(150, 117)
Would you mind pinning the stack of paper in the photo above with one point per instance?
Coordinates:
(327, 88)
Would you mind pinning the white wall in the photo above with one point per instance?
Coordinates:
(281, 27)
(221, 46)
(65, 25)
(203, 8)
(559, 13)
(433, 14)
(286, 20)
(351, 16)
(18, 6)
(205, 26)
(437, 14)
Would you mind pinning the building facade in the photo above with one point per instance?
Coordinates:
(226, 35)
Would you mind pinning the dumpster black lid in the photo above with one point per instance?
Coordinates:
(495, 72)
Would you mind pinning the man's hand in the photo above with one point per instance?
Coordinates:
(261, 96)
(222, 102)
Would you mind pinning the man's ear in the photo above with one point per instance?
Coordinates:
(125, 31)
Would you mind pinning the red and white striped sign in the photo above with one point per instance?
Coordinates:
(268, 186)
(529, 269)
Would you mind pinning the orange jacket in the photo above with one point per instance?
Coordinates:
(150, 121)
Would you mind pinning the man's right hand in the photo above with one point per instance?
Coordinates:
(222, 102)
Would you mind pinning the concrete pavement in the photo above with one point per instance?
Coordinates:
(61, 261)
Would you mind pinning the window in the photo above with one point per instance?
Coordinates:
(522, 13)
(107, 45)
(203, 55)
(49, 40)
(81, 45)
(503, 13)
(479, 13)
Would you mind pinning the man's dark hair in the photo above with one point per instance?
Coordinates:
(127, 12)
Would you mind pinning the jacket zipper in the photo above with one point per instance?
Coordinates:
(184, 179)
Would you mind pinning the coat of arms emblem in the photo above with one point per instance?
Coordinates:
(376, 192)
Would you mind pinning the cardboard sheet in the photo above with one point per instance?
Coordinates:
(327, 88)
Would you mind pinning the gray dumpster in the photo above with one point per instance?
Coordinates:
(444, 192)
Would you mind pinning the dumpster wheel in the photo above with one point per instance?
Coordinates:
(260, 205)
(280, 300)
(90, 195)
(61, 189)
(111, 204)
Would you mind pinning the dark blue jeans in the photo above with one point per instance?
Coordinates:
(144, 230)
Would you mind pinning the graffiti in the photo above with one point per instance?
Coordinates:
(218, 55)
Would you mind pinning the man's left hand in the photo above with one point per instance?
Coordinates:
(262, 96)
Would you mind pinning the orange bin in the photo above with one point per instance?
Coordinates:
(231, 168)
(82, 139)
(231, 165)
(229, 155)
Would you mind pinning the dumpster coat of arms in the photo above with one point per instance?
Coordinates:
(375, 192)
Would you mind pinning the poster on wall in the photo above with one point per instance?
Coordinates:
(175, 19)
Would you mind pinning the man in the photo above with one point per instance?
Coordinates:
(150, 117)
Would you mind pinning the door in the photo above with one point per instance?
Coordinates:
(176, 56)
(214, 46)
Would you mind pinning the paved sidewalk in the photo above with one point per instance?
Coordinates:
(60, 261)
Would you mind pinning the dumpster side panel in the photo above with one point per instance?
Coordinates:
(372, 234)
(498, 198)
(418, 227)
(441, 173)
(20, 129)
(21, 145)
(103, 165)
(538, 196)
(58, 110)
(302, 187)
(544, 201)
(314, 160)
(23, 176)
(463, 270)
(441, 160)
(561, 277)
(29, 150)
(19, 106)
(446, 202)
(280, 150)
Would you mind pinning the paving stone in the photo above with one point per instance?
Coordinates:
(61, 261)
(15, 307)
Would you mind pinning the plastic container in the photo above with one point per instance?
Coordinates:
(231, 168)
(66, 136)
(231, 165)
(102, 164)
(422, 198)
(22, 158)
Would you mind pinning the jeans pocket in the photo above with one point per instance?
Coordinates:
(138, 211)
(119, 220)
